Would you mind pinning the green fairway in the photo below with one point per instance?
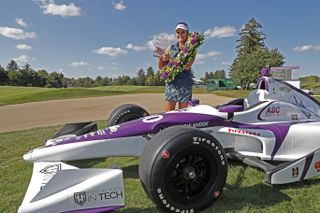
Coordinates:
(18, 95)
(245, 190)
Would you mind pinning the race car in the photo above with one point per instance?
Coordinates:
(183, 153)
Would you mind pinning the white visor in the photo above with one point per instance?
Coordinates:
(182, 26)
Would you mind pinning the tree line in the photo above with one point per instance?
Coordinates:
(13, 75)
(251, 56)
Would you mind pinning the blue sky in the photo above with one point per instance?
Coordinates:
(110, 38)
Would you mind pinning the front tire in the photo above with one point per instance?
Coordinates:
(126, 112)
(183, 168)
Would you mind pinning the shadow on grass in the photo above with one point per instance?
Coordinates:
(131, 171)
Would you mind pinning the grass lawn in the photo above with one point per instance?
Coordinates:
(18, 95)
(245, 190)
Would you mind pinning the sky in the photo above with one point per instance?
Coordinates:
(111, 38)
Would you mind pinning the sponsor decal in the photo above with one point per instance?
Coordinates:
(199, 140)
(317, 166)
(242, 132)
(80, 198)
(114, 128)
(51, 169)
(97, 196)
(152, 118)
(273, 111)
(216, 194)
(295, 172)
(198, 124)
(169, 205)
(165, 154)
(48, 172)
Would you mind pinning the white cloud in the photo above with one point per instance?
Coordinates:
(23, 47)
(21, 22)
(111, 51)
(49, 7)
(308, 47)
(16, 33)
(203, 56)
(119, 6)
(136, 48)
(23, 59)
(78, 64)
(221, 32)
(226, 63)
(100, 68)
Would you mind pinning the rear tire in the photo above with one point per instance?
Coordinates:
(126, 112)
(183, 168)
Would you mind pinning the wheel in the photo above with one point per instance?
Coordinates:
(183, 168)
(126, 112)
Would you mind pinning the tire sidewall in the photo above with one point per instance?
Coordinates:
(194, 139)
(125, 113)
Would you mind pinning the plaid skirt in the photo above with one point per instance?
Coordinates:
(180, 90)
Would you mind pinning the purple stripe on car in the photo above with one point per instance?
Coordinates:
(154, 123)
(307, 164)
(146, 125)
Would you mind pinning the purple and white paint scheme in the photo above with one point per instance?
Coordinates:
(276, 122)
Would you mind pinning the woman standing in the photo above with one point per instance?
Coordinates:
(180, 89)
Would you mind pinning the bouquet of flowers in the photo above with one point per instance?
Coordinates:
(177, 64)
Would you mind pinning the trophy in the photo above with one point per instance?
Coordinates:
(161, 42)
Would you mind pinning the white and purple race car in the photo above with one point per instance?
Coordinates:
(183, 153)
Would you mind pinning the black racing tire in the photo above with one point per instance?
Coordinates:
(183, 168)
(126, 112)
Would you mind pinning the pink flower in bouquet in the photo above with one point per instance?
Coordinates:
(185, 50)
(193, 40)
(164, 75)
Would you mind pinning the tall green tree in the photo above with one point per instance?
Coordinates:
(251, 38)
(158, 80)
(3, 76)
(149, 77)
(43, 76)
(252, 55)
(12, 65)
(55, 80)
(141, 77)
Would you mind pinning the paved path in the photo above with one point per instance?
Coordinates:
(49, 113)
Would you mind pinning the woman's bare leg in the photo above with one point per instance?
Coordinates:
(183, 105)
(169, 105)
